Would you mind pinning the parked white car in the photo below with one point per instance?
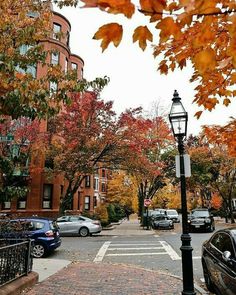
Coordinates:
(173, 215)
(79, 225)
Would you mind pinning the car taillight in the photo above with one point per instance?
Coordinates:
(96, 222)
(49, 233)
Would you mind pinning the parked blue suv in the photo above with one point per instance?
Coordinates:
(43, 231)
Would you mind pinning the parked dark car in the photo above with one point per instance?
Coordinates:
(201, 219)
(161, 221)
(219, 262)
(44, 233)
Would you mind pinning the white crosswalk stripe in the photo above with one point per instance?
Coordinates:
(110, 249)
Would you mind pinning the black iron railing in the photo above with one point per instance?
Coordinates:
(15, 259)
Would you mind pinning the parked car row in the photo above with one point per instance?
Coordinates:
(46, 233)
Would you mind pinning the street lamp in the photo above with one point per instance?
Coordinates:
(178, 119)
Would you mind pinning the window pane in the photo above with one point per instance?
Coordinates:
(56, 31)
(53, 87)
(47, 196)
(74, 66)
(55, 58)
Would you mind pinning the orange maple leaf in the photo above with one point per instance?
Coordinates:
(152, 5)
(109, 33)
(89, 3)
(227, 101)
(168, 28)
(198, 114)
(205, 60)
(142, 34)
(125, 7)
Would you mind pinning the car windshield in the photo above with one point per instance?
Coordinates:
(199, 213)
(172, 212)
(160, 217)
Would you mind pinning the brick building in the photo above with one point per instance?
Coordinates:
(44, 196)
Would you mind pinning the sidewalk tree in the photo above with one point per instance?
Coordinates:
(146, 165)
(87, 136)
(224, 167)
(122, 189)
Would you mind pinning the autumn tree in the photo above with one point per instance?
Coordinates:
(145, 165)
(87, 136)
(224, 167)
(122, 189)
(24, 26)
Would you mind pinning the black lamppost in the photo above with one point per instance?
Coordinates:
(178, 119)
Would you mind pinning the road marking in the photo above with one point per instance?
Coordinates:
(164, 249)
(138, 254)
(170, 250)
(134, 248)
(197, 257)
(135, 244)
(101, 253)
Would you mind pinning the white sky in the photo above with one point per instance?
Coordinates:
(134, 78)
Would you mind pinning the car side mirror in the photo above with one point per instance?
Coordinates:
(226, 256)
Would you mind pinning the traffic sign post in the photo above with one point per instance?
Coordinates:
(147, 203)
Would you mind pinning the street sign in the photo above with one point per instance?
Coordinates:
(187, 166)
(147, 202)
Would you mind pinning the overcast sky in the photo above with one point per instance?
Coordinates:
(133, 73)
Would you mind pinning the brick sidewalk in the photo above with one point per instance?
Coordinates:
(87, 278)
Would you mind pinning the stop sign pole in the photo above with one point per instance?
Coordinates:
(147, 203)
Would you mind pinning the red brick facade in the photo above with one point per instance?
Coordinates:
(44, 196)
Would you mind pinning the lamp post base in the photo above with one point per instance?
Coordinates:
(187, 265)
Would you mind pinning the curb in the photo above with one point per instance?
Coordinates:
(17, 286)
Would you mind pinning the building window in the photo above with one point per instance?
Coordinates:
(29, 69)
(87, 203)
(95, 184)
(55, 58)
(103, 187)
(21, 202)
(53, 87)
(56, 31)
(49, 163)
(95, 203)
(66, 65)
(74, 66)
(68, 38)
(6, 205)
(103, 173)
(87, 181)
(47, 196)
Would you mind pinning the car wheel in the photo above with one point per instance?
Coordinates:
(38, 251)
(207, 278)
(84, 232)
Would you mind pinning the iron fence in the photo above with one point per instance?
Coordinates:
(15, 259)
